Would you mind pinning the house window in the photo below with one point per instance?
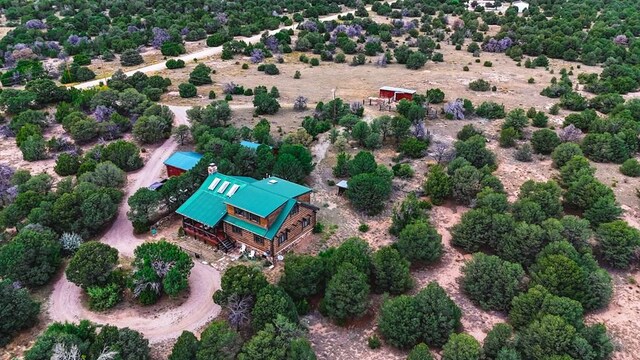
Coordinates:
(239, 212)
(254, 217)
(283, 237)
(258, 239)
(294, 210)
(305, 222)
(236, 229)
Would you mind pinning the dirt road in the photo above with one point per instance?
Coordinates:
(65, 303)
(201, 54)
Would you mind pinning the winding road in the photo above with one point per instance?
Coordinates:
(65, 303)
(157, 324)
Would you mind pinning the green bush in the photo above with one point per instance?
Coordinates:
(19, 310)
(492, 282)
(374, 342)
(131, 58)
(413, 148)
(631, 167)
(480, 85)
(490, 110)
(565, 152)
(420, 242)
(487, 64)
(105, 297)
(544, 141)
(174, 64)
(314, 62)
(272, 69)
(187, 90)
(461, 347)
(618, 242)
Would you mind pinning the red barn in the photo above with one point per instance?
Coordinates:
(396, 94)
(181, 161)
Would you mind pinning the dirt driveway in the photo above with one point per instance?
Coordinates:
(157, 323)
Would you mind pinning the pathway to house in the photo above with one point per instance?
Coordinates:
(159, 322)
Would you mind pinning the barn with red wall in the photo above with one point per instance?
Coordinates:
(181, 161)
(396, 94)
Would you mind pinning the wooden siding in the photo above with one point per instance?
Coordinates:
(174, 171)
(294, 224)
(304, 197)
(246, 237)
(231, 210)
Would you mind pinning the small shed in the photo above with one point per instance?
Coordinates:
(342, 186)
(181, 161)
(396, 94)
(251, 145)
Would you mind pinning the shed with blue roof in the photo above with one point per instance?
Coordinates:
(181, 161)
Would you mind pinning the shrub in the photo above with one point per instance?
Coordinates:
(508, 137)
(391, 271)
(480, 85)
(540, 120)
(554, 109)
(429, 317)
(296, 75)
(461, 347)
(103, 298)
(67, 164)
(490, 110)
(92, 265)
(435, 96)
(438, 185)
(187, 90)
(465, 68)
(363, 228)
(618, 242)
(314, 62)
(487, 64)
(374, 342)
(131, 58)
(437, 57)
(420, 242)
(492, 282)
(500, 337)
(272, 69)
(416, 60)
(304, 275)
(631, 167)
(19, 310)
(245, 66)
(565, 152)
(347, 294)
(420, 352)
(531, 81)
(544, 141)
(272, 301)
(413, 147)
(212, 95)
(31, 257)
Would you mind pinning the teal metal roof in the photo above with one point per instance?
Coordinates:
(184, 160)
(207, 205)
(256, 200)
(261, 197)
(251, 145)
(204, 207)
(281, 187)
(275, 227)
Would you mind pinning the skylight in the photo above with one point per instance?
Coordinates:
(214, 183)
(223, 187)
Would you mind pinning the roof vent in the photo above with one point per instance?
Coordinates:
(272, 181)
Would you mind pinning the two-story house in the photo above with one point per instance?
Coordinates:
(266, 215)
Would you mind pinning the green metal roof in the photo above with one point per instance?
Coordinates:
(263, 197)
(281, 187)
(184, 160)
(204, 207)
(275, 227)
(207, 205)
(256, 200)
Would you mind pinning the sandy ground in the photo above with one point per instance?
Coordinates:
(159, 60)
(159, 322)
